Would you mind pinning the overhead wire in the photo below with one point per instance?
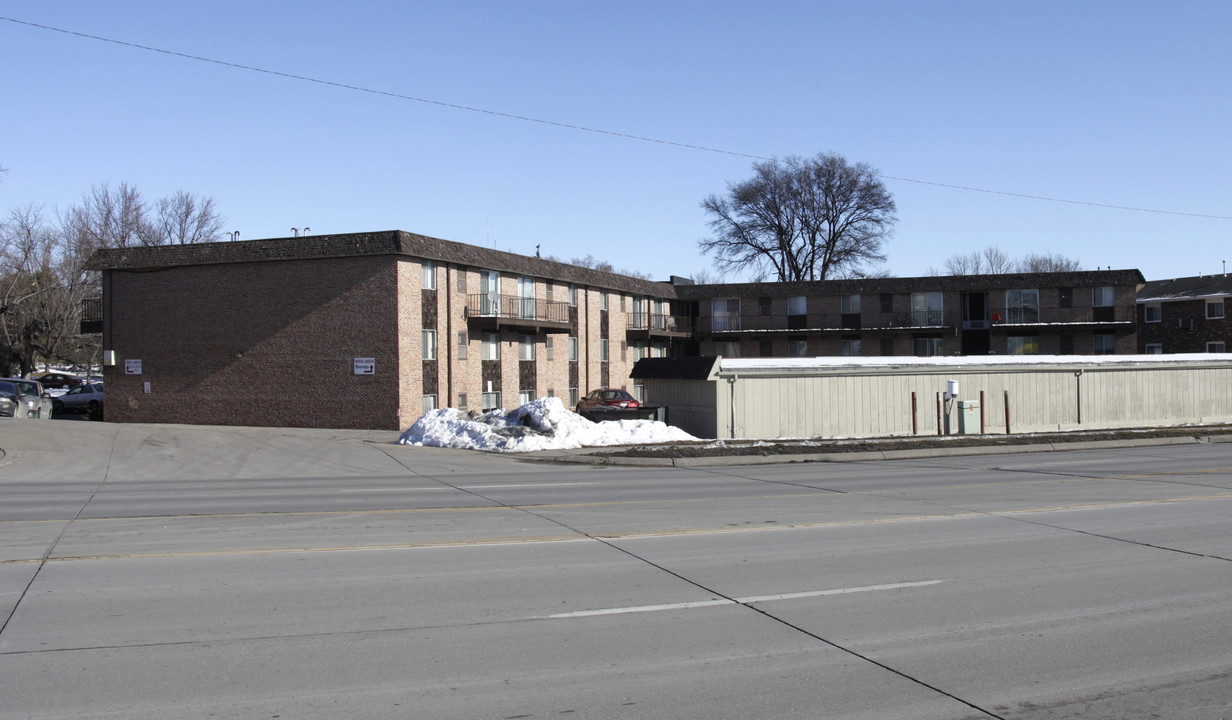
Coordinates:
(570, 126)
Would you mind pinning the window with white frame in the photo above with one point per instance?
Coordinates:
(573, 349)
(658, 349)
(462, 280)
(797, 305)
(1103, 344)
(490, 342)
(724, 314)
(1152, 313)
(1214, 309)
(927, 309)
(429, 344)
(526, 347)
(603, 356)
(462, 401)
(526, 396)
(1154, 349)
(624, 351)
(573, 396)
(463, 342)
(1216, 346)
(849, 304)
(429, 403)
(572, 295)
(639, 349)
(1022, 306)
(549, 348)
(429, 275)
(489, 401)
(603, 299)
(1103, 296)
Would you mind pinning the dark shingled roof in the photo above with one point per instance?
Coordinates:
(1187, 288)
(684, 368)
(392, 242)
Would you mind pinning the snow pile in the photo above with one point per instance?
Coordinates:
(544, 424)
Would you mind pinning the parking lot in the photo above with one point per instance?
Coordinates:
(180, 571)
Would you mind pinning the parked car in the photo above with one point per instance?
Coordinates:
(34, 397)
(56, 381)
(607, 399)
(22, 401)
(83, 398)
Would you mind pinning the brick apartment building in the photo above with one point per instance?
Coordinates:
(369, 330)
(1067, 313)
(1186, 315)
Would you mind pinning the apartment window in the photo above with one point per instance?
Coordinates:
(603, 350)
(887, 347)
(639, 392)
(1022, 306)
(572, 295)
(462, 280)
(658, 349)
(639, 350)
(851, 347)
(1152, 313)
(491, 345)
(429, 344)
(429, 275)
(463, 341)
(1104, 344)
(1022, 344)
(573, 349)
(526, 347)
(849, 304)
(1214, 309)
(1067, 344)
(548, 347)
(547, 291)
(526, 396)
(887, 302)
(797, 347)
(622, 302)
(489, 401)
(573, 397)
(1065, 297)
(1216, 346)
(765, 348)
(429, 403)
(1102, 296)
(551, 392)
(927, 309)
(1154, 349)
(727, 349)
(462, 401)
(725, 314)
(763, 306)
(603, 299)
(797, 305)
(624, 351)
(926, 346)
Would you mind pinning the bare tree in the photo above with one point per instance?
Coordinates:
(993, 260)
(108, 218)
(801, 219)
(184, 218)
(1047, 262)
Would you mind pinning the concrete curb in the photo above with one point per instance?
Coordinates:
(594, 456)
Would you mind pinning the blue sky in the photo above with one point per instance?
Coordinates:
(1113, 103)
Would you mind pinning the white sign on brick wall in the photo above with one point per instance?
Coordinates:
(365, 366)
(132, 366)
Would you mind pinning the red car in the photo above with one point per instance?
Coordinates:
(607, 399)
(60, 380)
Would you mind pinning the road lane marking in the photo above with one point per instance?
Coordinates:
(740, 601)
(461, 487)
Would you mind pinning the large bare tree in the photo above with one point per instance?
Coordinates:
(184, 218)
(992, 260)
(801, 219)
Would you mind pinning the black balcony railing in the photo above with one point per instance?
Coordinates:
(1064, 316)
(825, 322)
(91, 316)
(658, 323)
(517, 310)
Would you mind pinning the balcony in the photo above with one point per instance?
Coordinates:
(493, 312)
(1033, 317)
(92, 316)
(647, 326)
(826, 323)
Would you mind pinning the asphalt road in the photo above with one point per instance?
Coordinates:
(152, 571)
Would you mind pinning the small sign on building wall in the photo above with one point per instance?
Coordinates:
(365, 366)
(132, 366)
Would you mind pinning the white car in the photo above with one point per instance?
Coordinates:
(34, 402)
(86, 398)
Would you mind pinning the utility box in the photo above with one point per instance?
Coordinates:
(968, 417)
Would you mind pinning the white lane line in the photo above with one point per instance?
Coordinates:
(393, 489)
(524, 485)
(744, 600)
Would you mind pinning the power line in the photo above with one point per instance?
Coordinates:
(581, 128)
